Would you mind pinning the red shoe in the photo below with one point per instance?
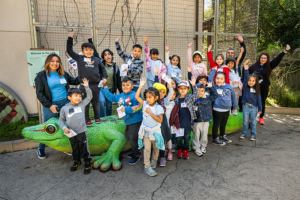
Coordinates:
(185, 154)
(249, 121)
(89, 123)
(179, 154)
(261, 121)
(97, 121)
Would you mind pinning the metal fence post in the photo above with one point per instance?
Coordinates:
(165, 32)
(258, 1)
(94, 22)
(216, 27)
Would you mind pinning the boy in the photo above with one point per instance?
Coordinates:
(73, 114)
(89, 67)
(202, 107)
(134, 61)
(133, 117)
(186, 114)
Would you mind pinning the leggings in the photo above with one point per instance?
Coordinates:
(220, 119)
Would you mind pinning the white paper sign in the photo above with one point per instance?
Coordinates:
(122, 72)
(71, 134)
(63, 81)
(220, 91)
(72, 62)
(120, 113)
(100, 84)
(180, 133)
(166, 78)
(173, 130)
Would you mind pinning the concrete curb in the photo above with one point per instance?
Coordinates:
(282, 110)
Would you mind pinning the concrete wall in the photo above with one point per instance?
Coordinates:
(15, 40)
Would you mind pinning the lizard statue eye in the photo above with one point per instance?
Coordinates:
(50, 129)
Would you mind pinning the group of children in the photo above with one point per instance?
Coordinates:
(168, 114)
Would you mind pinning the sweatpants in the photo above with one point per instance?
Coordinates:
(94, 101)
(264, 94)
(131, 134)
(80, 147)
(200, 134)
(147, 151)
(220, 119)
(186, 138)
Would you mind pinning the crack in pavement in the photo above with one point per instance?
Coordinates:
(165, 179)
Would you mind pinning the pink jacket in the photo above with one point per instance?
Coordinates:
(162, 70)
(199, 68)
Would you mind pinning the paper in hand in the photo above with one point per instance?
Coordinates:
(173, 130)
(100, 84)
(166, 78)
(122, 72)
(180, 133)
(71, 134)
(120, 113)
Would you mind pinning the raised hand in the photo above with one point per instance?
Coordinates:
(246, 67)
(85, 82)
(142, 82)
(118, 38)
(190, 69)
(193, 81)
(156, 70)
(71, 34)
(190, 45)
(209, 48)
(145, 38)
(287, 47)
(209, 84)
(167, 47)
(240, 38)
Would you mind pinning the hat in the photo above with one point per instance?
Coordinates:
(197, 52)
(200, 84)
(160, 86)
(201, 76)
(184, 83)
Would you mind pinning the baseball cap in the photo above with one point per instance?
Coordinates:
(197, 52)
(200, 84)
(184, 83)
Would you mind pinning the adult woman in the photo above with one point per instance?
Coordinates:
(52, 85)
(264, 67)
(113, 82)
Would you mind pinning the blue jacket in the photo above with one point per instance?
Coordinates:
(250, 97)
(133, 108)
(202, 107)
(226, 95)
(175, 70)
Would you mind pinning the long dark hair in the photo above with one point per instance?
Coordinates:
(220, 55)
(171, 57)
(256, 65)
(155, 93)
(257, 76)
(110, 52)
(228, 60)
(60, 70)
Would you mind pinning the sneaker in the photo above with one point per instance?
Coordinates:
(179, 153)
(253, 138)
(203, 149)
(153, 164)
(218, 142)
(134, 160)
(242, 136)
(41, 153)
(198, 152)
(89, 123)
(129, 155)
(162, 162)
(149, 171)
(225, 139)
(97, 121)
(77, 164)
(170, 156)
(185, 154)
(69, 154)
(87, 168)
(261, 121)
(173, 148)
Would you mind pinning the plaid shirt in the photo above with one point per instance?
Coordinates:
(190, 100)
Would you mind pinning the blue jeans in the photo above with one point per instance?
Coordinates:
(150, 83)
(47, 113)
(249, 112)
(105, 102)
(186, 138)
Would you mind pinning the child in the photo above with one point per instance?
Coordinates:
(89, 67)
(73, 114)
(197, 67)
(134, 62)
(150, 131)
(151, 62)
(202, 78)
(133, 117)
(202, 106)
(173, 67)
(222, 106)
(251, 100)
(186, 115)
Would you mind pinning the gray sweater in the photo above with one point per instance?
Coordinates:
(74, 114)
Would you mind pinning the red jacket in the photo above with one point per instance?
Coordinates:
(174, 118)
(213, 65)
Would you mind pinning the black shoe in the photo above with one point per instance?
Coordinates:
(87, 168)
(77, 164)
(129, 155)
(225, 139)
(218, 142)
(134, 160)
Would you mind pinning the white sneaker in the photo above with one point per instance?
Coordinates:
(242, 136)
(203, 150)
(198, 152)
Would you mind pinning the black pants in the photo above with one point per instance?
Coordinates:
(264, 94)
(80, 147)
(94, 101)
(132, 134)
(220, 119)
(186, 138)
(166, 133)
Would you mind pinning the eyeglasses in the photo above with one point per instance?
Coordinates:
(263, 58)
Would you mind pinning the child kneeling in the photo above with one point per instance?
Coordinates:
(73, 113)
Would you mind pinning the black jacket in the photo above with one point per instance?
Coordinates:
(93, 72)
(43, 92)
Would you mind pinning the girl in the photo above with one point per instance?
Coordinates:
(251, 100)
(234, 77)
(264, 67)
(150, 131)
(173, 67)
(152, 61)
(197, 67)
(221, 106)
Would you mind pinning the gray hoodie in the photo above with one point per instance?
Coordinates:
(74, 114)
